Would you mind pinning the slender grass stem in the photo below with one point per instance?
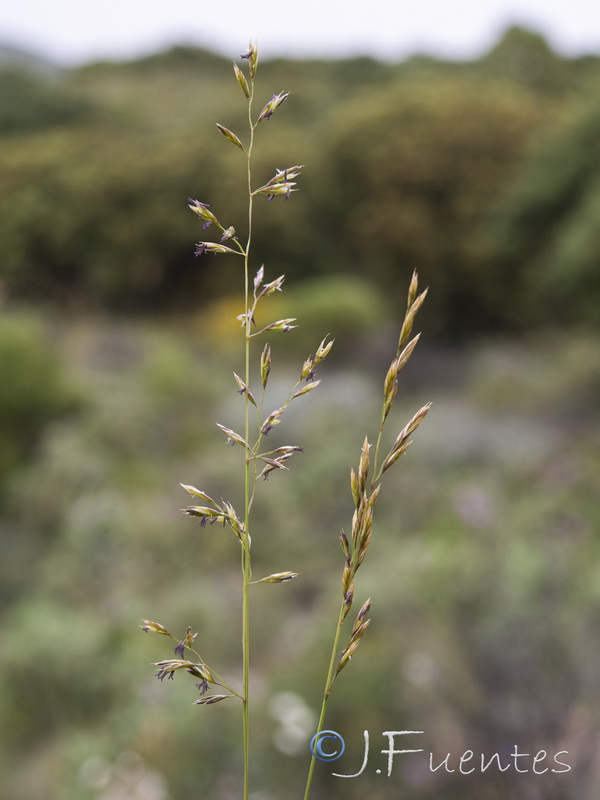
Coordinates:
(377, 446)
(328, 685)
(248, 473)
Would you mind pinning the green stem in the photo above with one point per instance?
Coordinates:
(328, 685)
(376, 476)
(246, 563)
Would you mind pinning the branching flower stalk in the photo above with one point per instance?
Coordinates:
(260, 460)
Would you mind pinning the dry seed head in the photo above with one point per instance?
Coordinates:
(204, 512)
(346, 656)
(285, 175)
(273, 463)
(345, 544)
(201, 209)
(288, 449)
(363, 466)
(272, 106)
(149, 626)
(259, 277)
(348, 600)
(412, 289)
(277, 463)
(271, 421)
(389, 400)
(284, 325)
(360, 623)
(282, 183)
(244, 389)
(395, 455)
(231, 514)
(197, 493)
(233, 436)
(354, 487)
(410, 318)
(391, 377)
(358, 519)
(213, 247)
(419, 300)
(374, 496)
(245, 318)
(307, 368)
(231, 136)
(252, 56)
(278, 577)
(189, 637)
(274, 286)
(227, 234)
(346, 576)
(323, 350)
(265, 365)
(305, 389)
(419, 417)
(171, 665)
(351, 649)
(213, 698)
(355, 526)
(278, 188)
(364, 546)
(401, 444)
(241, 79)
(358, 630)
(407, 351)
(365, 608)
(412, 425)
(264, 474)
(363, 538)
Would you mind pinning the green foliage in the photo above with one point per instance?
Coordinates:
(414, 167)
(35, 389)
(544, 228)
(92, 210)
(31, 104)
(497, 551)
(85, 219)
(477, 586)
(526, 58)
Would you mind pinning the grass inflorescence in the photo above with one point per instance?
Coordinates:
(258, 459)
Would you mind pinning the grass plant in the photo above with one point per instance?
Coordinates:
(259, 459)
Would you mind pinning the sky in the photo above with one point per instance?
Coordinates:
(73, 32)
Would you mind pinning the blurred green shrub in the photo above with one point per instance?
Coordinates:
(34, 389)
(544, 231)
(486, 588)
(412, 169)
(94, 215)
(417, 164)
(29, 103)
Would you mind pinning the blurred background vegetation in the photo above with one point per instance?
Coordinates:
(116, 351)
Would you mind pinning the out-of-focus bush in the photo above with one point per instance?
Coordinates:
(405, 166)
(525, 57)
(96, 219)
(544, 231)
(32, 104)
(483, 575)
(412, 169)
(34, 389)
